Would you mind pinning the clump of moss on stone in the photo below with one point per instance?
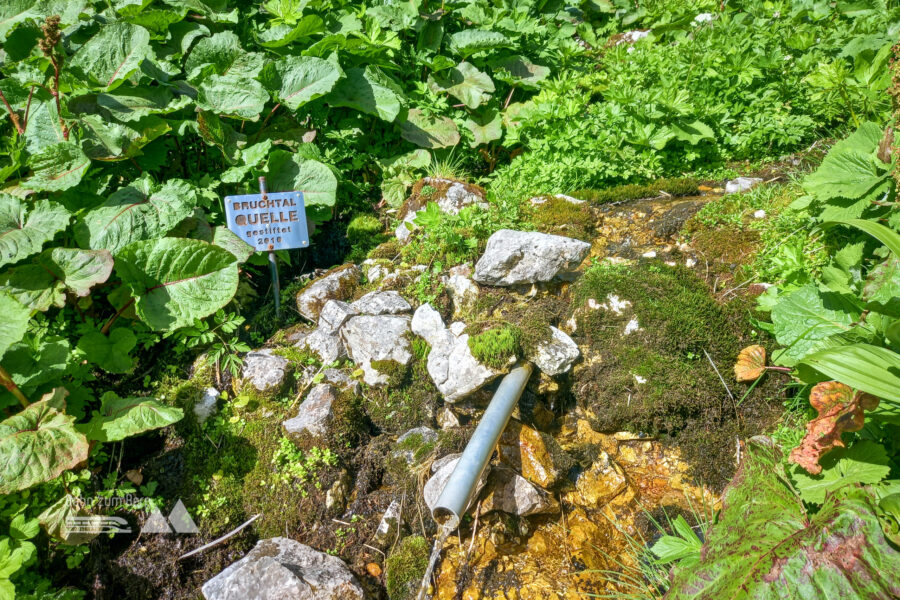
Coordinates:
(411, 403)
(388, 250)
(394, 371)
(656, 379)
(561, 217)
(364, 232)
(417, 444)
(496, 347)
(299, 356)
(405, 567)
(683, 186)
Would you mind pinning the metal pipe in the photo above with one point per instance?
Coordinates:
(457, 493)
(273, 259)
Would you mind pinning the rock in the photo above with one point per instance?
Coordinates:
(411, 444)
(741, 184)
(337, 284)
(280, 568)
(630, 37)
(377, 338)
(463, 291)
(315, 413)
(447, 419)
(556, 356)
(334, 314)
(342, 380)
(389, 527)
(516, 257)
(382, 303)
(455, 371)
(336, 498)
(451, 197)
(759, 214)
(439, 464)
(265, 370)
(601, 483)
(435, 485)
(535, 455)
(205, 406)
(509, 492)
(327, 346)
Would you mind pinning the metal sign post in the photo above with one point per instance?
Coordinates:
(269, 222)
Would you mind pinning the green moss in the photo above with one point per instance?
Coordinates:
(299, 356)
(657, 379)
(395, 371)
(416, 444)
(405, 567)
(684, 186)
(411, 403)
(389, 250)
(496, 347)
(362, 228)
(562, 217)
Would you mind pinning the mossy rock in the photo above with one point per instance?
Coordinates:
(657, 379)
(410, 402)
(394, 371)
(496, 347)
(559, 216)
(683, 186)
(405, 567)
(386, 250)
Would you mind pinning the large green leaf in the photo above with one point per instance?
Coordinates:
(429, 131)
(863, 462)
(885, 235)
(132, 214)
(518, 70)
(850, 169)
(37, 445)
(229, 240)
(110, 353)
(54, 272)
(766, 545)
(220, 54)
(806, 316)
(882, 289)
(177, 281)
(112, 55)
(470, 41)
(465, 82)
(232, 96)
(58, 167)
(25, 228)
(33, 363)
(295, 80)
(120, 418)
(863, 367)
(277, 36)
(485, 127)
(290, 172)
(14, 322)
(13, 12)
(128, 103)
(370, 91)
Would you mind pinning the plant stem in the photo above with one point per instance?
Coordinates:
(10, 385)
(265, 121)
(105, 330)
(12, 115)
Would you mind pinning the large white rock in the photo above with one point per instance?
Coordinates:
(327, 346)
(280, 568)
(511, 493)
(382, 303)
(516, 257)
(315, 413)
(455, 371)
(335, 285)
(334, 314)
(556, 355)
(383, 337)
(456, 197)
(265, 370)
(741, 184)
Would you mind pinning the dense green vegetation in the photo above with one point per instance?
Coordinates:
(126, 122)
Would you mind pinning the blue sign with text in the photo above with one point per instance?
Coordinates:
(272, 221)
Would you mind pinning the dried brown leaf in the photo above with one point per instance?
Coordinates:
(751, 363)
(840, 410)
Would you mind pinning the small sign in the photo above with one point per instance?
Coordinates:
(268, 221)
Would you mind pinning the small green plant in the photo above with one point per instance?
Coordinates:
(405, 567)
(496, 347)
(219, 339)
(299, 467)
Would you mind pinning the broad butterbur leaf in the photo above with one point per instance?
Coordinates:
(132, 214)
(129, 103)
(840, 409)
(14, 322)
(110, 353)
(291, 172)
(882, 289)
(370, 91)
(221, 53)
(429, 131)
(485, 128)
(177, 281)
(58, 167)
(112, 55)
(67, 521)
(465, 82)
(470, 41)
(38, 444)
(806, 316)
(751, 363)
(295, 80)
(227, 239)
(863, 462)
(56, 271)
(232, 96)
(518, 70)
(120, 418)
(765, 543)
(25, 227)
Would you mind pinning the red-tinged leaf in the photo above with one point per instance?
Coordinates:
(751, 363)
